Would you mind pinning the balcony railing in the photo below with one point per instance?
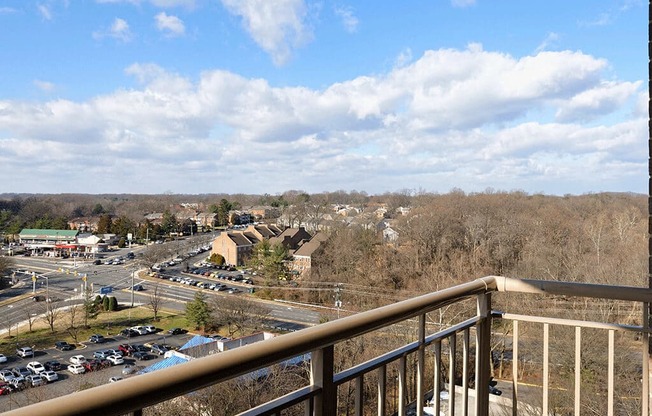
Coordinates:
(421, 366)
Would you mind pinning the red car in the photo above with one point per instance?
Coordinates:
(126, 349)
(5, 389)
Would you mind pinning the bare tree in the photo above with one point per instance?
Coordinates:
(155, 301)
(73, 317)
(238, 314)
(51, 315)
(29, 312)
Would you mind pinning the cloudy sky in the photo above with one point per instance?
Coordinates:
(261, 96)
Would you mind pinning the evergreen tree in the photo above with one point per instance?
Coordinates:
(198, 312)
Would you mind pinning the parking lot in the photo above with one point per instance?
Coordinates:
(68, 382)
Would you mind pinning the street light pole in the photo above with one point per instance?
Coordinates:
(132, 288)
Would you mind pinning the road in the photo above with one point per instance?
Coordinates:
(61, 281)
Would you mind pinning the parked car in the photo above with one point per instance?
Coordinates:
(17, 383)
(3, 358)
(50, 376)
(96, 339)
(35, 367)
(129, 332)
(63, 346)
(5, 389)
(21, 372)
(115, 359)
(25, 352)
(141, 356)
(158, 349)
(52, 365)
(128, 369)
(151, 329)
(140, 348)
(35, 380)
(94, 365)
(140, 329)
(126, 349)
(101, 354)
(115, 352)
(115, 379)
(138, 288)
(76, 369)
(77, 359)
(177, 331)
(6, 375)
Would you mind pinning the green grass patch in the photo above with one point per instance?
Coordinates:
(106, 323)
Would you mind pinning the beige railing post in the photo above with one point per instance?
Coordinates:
(321, 373)
(483, 355)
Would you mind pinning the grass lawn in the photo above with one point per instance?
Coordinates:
(106, 323)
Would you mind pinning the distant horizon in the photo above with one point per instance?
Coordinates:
(149, 97)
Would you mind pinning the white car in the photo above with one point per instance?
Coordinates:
(35, 367)
(115, 379)
(35, 380)
(77, 360)
(3, 359)
(50, 376)
(6, 375)
(76, 369)
(140, 329)
(115, 359)
(151, 329)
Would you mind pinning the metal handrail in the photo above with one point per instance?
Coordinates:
(134, 394)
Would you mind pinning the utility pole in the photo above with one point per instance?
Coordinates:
(338, 300)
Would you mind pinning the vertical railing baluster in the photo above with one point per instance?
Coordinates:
(483, 355)
(421, 360)
(610, 375)
(546, 375)
(578, 369)
(515, 370)
(308, 407)
(645, 375)
(452, 344)
(382, 390)
(402, 379)
(437, 374)
(465, 371)
(359, 395)
(321, 373)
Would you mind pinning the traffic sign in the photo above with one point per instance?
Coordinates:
(106, 289)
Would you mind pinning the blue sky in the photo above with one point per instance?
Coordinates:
(259, 96)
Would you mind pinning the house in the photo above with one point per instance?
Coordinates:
(235, 247)
(205, 221)
(291, 238)
(302, 257)
(264, 212)
(84, 224)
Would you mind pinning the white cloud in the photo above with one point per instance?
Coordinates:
(550, 40)
(119, 30)
(592, 103)
(278, 27)
(44, 11)
(7, 10)
(349, 20)
(171, 25)
(449, 118)
(44, 85)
